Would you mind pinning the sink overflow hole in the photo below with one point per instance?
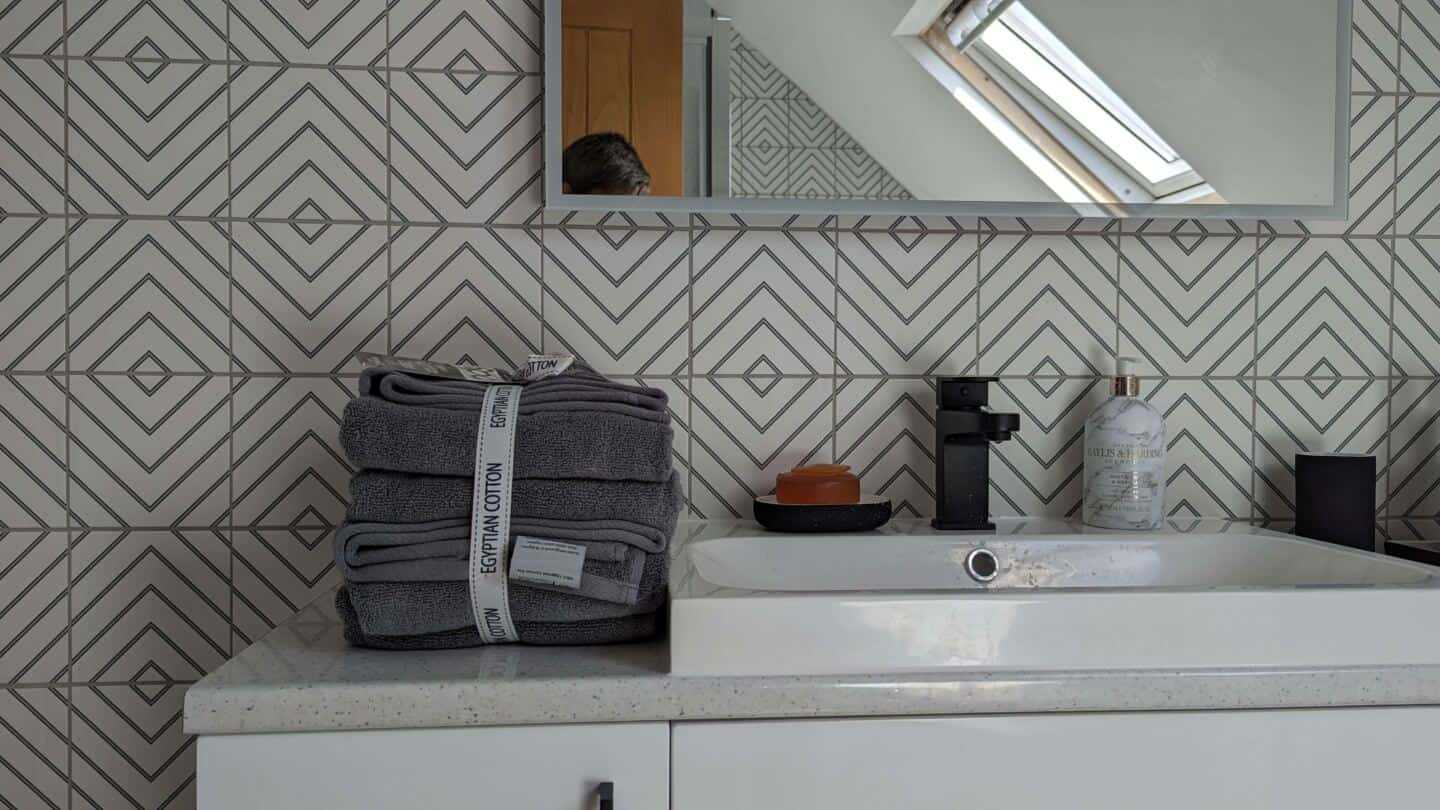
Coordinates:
(982, 565)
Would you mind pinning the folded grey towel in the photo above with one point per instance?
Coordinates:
(419, 608)
(575, 443)
(600, 631)
(439, 551)
(648, 539)
(378, 496)
(564, 390)
(371, 552)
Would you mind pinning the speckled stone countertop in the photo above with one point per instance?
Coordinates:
(303, 677)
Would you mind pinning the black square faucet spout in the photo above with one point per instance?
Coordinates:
(964, 429)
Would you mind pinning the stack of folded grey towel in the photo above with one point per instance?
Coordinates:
(592, 467)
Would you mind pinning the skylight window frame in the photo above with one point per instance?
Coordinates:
(1068, 90)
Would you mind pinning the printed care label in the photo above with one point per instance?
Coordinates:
(548, 562)
(538, 367)
(490, 521)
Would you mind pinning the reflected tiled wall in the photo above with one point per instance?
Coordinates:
(205, 214)
(784, 145)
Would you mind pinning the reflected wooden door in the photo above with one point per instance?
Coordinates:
(623, 68)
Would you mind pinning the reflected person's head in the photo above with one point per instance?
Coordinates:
(604, 163)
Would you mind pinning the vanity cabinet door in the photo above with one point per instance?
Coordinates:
(1337, 759)
(530, 767)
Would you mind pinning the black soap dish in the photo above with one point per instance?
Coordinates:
(871, 512)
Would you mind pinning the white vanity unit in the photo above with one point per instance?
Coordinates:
(1212, 665)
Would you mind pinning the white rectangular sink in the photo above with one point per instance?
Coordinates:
(1212, 595)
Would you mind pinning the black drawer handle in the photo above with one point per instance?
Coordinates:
(606, 792)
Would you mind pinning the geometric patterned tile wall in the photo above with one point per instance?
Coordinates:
(205, 211)
(784, 145)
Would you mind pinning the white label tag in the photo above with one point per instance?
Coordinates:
(540, 366)
(490, 521)
(548, 562)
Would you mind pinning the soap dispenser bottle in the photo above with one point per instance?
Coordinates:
(1125, 457)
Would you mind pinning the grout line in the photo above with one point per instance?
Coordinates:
(690, 231)
(835, 340)
(25, 685)
(349, 376)
(1393, 387)
(1394, 270)
(69, 498)
(980, 242)
(263, 63)
(1254, 383)
(177, 529)
(1400, 51)
(230, 317)
(1390, 234)
(199, 218)
(140, 375)
(1119, 279)
(36, 530)
(979, 274)
(389, 196)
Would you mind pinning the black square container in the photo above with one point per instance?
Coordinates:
(1335, 498)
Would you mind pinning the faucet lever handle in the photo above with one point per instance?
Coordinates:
(963, 393)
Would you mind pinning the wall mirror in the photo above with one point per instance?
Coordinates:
(1110, 108)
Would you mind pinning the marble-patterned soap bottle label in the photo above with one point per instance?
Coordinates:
(1125, 487)
(1125, 465)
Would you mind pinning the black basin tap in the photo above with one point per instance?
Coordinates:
(964, 428)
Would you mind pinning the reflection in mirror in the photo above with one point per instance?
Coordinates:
(1110, 104)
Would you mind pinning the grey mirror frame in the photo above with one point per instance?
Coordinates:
(557, 200)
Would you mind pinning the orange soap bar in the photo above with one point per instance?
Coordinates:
(818, 484)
